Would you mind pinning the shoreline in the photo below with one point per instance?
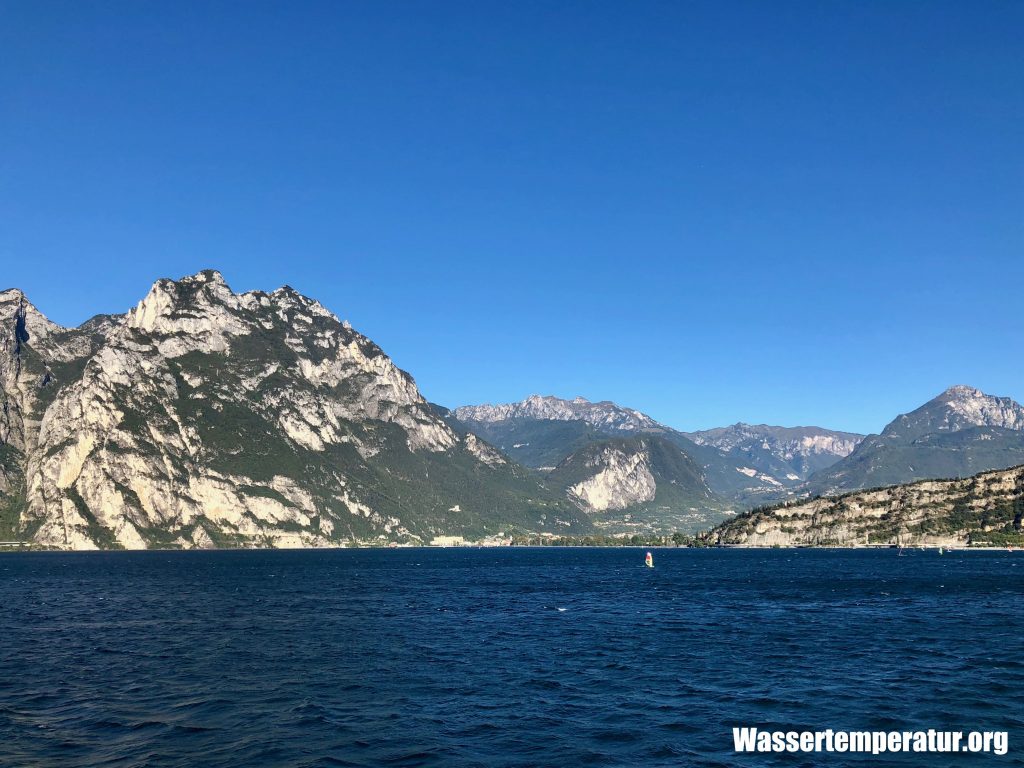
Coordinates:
(427, 547)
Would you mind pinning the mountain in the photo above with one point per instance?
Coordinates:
(985, 509)
(637, 483)
(959, 407)
(604, 416)
(791, 452)
(959, 433)
(204, 417)
(742, 464)
(620, 466)
(540, 431)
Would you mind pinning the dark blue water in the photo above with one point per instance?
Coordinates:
(498, 657)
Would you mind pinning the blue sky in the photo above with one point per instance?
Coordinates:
(782, 212)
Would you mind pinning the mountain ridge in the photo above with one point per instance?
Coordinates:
(603, 414)
(540, 431)
(958, 433)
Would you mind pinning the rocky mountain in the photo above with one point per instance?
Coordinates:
(742, 464)
(539, 444)
(604, 416)
(540, 431)
(637, 483)
(986, 509)
(959, 433)
(959, 407)
(204, 417)
(793, 453)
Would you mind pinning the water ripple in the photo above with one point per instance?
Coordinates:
(521, 657)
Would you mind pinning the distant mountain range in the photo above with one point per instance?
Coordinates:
(794, 452)
(738, 465)
(963, 435)
(203, 417)
(621, 467)
(959, 433)
(605, 416)
(785, 454)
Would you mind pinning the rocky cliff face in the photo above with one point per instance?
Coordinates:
(620, 479)
(37, 357)
(207, 417)
(985, 509)
(31, 350)
(637, 483)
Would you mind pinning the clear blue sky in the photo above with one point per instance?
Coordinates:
(782, 212)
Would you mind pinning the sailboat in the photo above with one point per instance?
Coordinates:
(649, 560)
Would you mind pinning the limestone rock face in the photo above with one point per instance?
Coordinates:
(36, 358)
(636, 484)
(204, 418)
(977, 509)
(620, 480)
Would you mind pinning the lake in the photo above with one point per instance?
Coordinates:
(498, 657)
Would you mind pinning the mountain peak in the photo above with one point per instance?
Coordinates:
(25, 319)
(209, 280)
(205, 276)
(198, 304)
(11, 294)
(16, 297)
(962, 390)
(957, 408)
(204, 307)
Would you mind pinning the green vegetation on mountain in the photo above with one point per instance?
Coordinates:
(643, 483)
(959, 433)
(537, 444)
(742, 464)
(885, 461)
(12, 493)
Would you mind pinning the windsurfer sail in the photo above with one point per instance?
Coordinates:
(649, 560)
